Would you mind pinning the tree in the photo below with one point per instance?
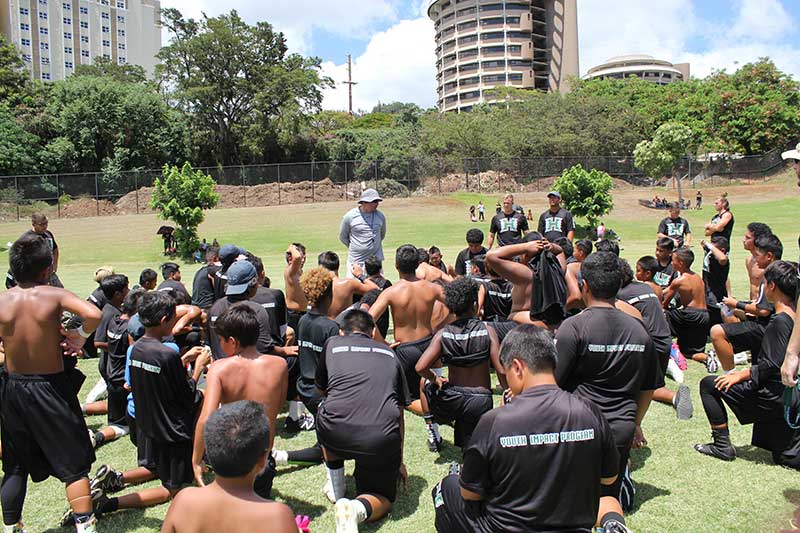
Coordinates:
(240, 87)
(102, 67)
(13, 76)
(181, 195)
(586, 194)
(17, 147)
(660, 156)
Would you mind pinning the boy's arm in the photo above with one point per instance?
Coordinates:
(669, 293)
(210, 404)
(378, 308)
(791, 362)
(344, 231)
(186, 315)
(428, 357)
(494, 356)
(362, 287)
(719, 255)
(501, 261)
(75, 338)
(481, 299)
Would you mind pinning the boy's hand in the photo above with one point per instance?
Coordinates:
(726, 381)
(639, 440)
(192, 355)
(356, 270)
(73, 342)
(404, 477)
(440, 382)
(730, 302)
(199, 469)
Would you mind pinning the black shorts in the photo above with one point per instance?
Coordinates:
(171, 462)
(749, 405)
(293, 319)
(43, 430)
(745, 336)
(263, 482)
(117, 406)
(615, 488)
(502, 327)
(144, 446)
(453, 513)
(663, 347)
(408, 354)
(691, 327)
(293, 365)
(462, 405)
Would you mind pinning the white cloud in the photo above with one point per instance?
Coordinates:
(764, 20)
(398, 64)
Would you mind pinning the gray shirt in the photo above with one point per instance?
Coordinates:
(363, 233)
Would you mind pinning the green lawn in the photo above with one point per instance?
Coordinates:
(677, 489)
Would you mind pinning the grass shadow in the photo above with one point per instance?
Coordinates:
(299, 506)
(755, 455)
(407, 504)
(646, 492)
(449, 454)
(639, 457)
(120, 521)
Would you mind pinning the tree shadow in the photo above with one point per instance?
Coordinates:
(124, 520)
(646, 492)
(639, 457)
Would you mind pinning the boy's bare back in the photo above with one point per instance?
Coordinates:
(691, 289)
(212, 509)
(411, 304)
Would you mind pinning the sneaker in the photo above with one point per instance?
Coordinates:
(627, 491)
(68, 518)
(292, 426)
(107, 480)
(327, 489)
(712, 362)
(676, 355)
(740, 358)
(455, 469)
(307, 422)
(281, 457)
(713, 450)
(92, 440)
(683, 403)
(434, 440)
(16, 528)
(346, 519)
(612, 526)
(674, 371)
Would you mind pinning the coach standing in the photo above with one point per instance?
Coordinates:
(363, 229)
(790, 371)
(556, 222)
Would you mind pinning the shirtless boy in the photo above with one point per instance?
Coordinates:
(244, 374)
(344, 288)
(690, 322)
(44, 433)
(754, 231)
(296, 304)
(235, 435)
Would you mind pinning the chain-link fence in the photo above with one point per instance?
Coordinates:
(98, 194)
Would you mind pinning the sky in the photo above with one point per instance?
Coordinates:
(392, 41)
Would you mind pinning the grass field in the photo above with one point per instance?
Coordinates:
(677, 489)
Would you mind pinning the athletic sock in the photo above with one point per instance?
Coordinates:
(110, 505)
(295, 410)
(336, 478)
(363, 509)
(119, 431)
(99, 438)
(433, 427)
(84, 522)
(83, 408)
(611, 515)
(281, 457)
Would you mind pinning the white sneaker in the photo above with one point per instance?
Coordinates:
(327, 489)
(740, 358)
(98, 392)
(281, 457)
(674, 371)
(346, 517)
(712, 363)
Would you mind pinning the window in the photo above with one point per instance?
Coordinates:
(467, 68)
(67, 35)
(67, 6)
(24, 11)
(121, 33)
(106, 16)
(68, 64)
(84, 10)
(120, 19)
(492, 35)
(467, 25)
(469, 81)
(120, 4)
(468, 53)
(43, 15)
(492, 7)
(515, 49)
(67, 50)
(104, 2)
(106, 29)
(45, 61)
(106, 56)
(25, 27)
(43, 2)
(122, 61)
(44, 46)
(84, 25)
(25, 42)
(471, 94)
(84, 53)
(106, 43)
(45, 75)
(515, 77)
(492, 22)
(27, 58)
(67, 21)
(121, 46)
(493, 64)
(44, 31)
(84, 38)
(493, 49)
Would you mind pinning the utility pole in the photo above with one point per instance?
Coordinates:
(350, 81)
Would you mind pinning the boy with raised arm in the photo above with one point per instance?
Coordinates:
(235, 435)
(244, 374)
(44, 433)
(344, 289)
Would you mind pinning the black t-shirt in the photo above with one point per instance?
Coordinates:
(202, 290)
(463, 264)
(165, 398)
(642, 297)
(465, 343)
(675, 228)
(117, 334)
(762, 303)
(508, 228)
(312, 332)
(766, 373)
(219, 280)
(556, 225)
(538, 461)
(264, 345)
(47, 236)
(727, 230)
(98, 298)
(607, 357)
(664, 275)
(366, 391)
(715, 277)
(497, 302)
(109, 314)
(274, 303)
(176, 289)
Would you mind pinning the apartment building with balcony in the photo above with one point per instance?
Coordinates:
(55, 36)
(641, 66)
(484, 44)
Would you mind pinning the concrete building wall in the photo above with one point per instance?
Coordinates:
(641, 66)
(485, 44)
(55, 36)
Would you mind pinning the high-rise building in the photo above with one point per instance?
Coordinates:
(484, 44)
(56, 36)
(641, 66)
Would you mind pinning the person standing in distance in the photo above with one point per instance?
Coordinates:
(675, 227)
(507, 225)
(362, 230)
(791, 363)
(556, 222)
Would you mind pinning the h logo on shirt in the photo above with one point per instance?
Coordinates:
(552, 224)
(674, 230)
(508, 224)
